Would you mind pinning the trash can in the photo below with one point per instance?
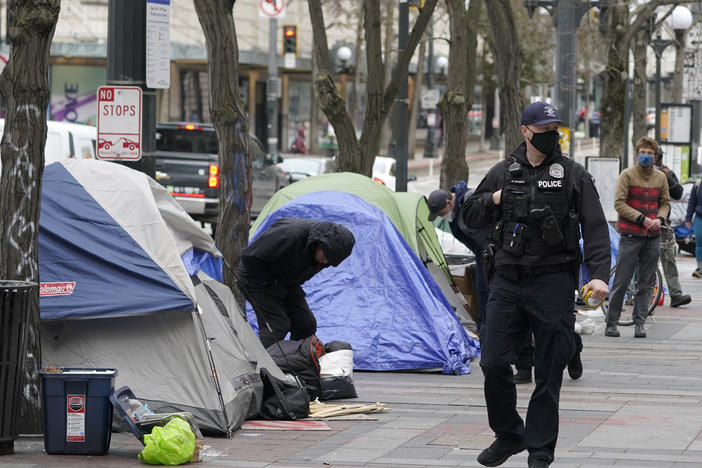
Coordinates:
(77, 410)
(14, 301)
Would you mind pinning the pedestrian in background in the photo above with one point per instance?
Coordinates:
(537, 201)
(668, 244)
(694, 207)
(642, 201)
(448, 205)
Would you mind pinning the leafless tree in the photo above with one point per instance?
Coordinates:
(231, 126)
(24, 86)
(458, 97)
(355, 155)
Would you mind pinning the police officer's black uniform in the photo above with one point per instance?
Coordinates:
(536, 257)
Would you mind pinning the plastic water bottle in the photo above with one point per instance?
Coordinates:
(136, 410)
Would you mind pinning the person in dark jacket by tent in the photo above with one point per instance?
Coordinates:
(274, 266)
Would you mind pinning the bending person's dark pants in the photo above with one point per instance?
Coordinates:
(280, 310)
(543, 303)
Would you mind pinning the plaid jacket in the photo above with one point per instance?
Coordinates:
(640, 194)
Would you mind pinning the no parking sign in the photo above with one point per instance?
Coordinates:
(119, 123)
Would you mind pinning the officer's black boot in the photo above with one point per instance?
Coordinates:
(500, 450)
(575, 367)
(523, 376)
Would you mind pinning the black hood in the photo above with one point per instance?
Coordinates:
(336, 241)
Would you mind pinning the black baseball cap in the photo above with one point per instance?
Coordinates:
(437, 201)
(540, 113)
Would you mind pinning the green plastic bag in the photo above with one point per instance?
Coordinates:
(172, 444)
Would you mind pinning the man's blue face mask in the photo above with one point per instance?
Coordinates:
(645, 159)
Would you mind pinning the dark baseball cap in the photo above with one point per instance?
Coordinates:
(540, 113)
(437, 201)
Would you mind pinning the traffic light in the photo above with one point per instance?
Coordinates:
(289, 39)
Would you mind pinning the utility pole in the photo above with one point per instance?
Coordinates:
(126, 66)
(273, 87)
(567, 19)
(401, 105)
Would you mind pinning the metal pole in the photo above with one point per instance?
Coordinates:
(429, 142)
(273, 87)
(402, 101)
(566, 22)
(658, 92)
(126, 66)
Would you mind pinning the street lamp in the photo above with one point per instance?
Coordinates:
(344, 55)
(442, 64)
(680, 21)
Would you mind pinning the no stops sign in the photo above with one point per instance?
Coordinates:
(119, 123)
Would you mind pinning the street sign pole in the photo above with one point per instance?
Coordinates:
(126, 66)
(401, 105)
(273, 88)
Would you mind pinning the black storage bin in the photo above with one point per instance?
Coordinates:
(14, 303)
(77, 410)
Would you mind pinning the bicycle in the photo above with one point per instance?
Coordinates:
(631, 293)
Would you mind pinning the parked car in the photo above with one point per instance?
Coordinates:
(384, 172)
(298, 168)
(65, 140)
(187, 165)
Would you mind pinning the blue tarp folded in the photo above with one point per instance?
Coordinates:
(381, 299)
(89, 266)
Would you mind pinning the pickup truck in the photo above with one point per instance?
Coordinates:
(187, 165)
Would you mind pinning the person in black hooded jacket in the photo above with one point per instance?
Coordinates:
(274, 266)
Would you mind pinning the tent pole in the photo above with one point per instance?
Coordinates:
(213, 370)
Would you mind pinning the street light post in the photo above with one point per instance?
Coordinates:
(429, 146)
(680, 21)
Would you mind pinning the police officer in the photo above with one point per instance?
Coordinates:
(538, 201)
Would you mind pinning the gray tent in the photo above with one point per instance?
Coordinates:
(127, 254)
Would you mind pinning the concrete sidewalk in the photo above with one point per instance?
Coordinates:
(638, 404)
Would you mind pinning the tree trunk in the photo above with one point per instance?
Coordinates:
(638, 98)
(355, 102)
(416, 103)
(231, 126)
(458, 98)
(24, 86)
(508, 70)
(352, 157)
(314, 113)
(614, 81)
(679, 67)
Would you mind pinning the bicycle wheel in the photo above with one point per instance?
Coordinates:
(626, 317)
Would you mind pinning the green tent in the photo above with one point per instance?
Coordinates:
(407, 211)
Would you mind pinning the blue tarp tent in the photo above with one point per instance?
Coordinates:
(382, 299)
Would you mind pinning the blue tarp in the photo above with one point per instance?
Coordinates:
(87, 257)
(381, 299)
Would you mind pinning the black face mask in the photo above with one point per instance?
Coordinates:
(545, 142)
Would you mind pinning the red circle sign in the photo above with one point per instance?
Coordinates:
(272, 8)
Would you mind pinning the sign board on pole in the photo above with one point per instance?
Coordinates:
(676, 123)
(271, 9)
(605, 171)
(429, 98)
(677, 158)
(119, 123)
(158, 43)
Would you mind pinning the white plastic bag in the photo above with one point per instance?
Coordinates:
(336, 363)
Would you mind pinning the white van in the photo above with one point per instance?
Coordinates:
(65, 140)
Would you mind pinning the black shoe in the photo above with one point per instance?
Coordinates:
(538, 463)
(522, 376)
(639, 331)
(677, 301)
(611, 330)
(575, 368)
(697, 273)
(500, 450)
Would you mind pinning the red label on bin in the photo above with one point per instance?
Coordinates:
(75, 418)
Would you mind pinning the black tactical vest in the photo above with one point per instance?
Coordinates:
(538, 223)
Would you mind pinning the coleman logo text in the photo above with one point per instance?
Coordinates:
(550, 183)
(56, 289)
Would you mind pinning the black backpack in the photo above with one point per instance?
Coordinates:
(282, 401)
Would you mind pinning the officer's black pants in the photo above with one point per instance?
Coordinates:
(282, 309)
(543, 303)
